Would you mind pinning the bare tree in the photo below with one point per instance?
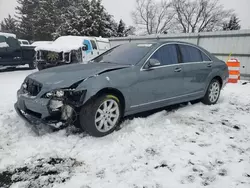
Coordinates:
(200, 15)
(154, 17)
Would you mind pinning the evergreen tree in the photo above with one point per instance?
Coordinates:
(103, 23)
(9, 25)
(121, 31)
(233, 24)
(46, 20)
(26, 16)
(76, 20)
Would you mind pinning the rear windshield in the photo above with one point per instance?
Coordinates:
(126, 54)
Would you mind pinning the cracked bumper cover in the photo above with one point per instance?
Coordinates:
(33, 122)
(39, 116)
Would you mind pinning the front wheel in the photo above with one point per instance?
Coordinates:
(101, 115)
(40, 66)
(213, 93)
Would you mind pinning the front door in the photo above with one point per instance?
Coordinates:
(196, 68)
(157, 86)
(14, 51)
(3, 51)
(95, 49)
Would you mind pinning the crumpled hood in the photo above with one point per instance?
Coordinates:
(66, 75)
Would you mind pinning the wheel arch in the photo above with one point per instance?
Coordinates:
(111, 91)
(219, 79)
(210, 78)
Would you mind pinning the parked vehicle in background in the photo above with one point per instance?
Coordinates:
(13, 54)
(23, 42)
(70, 49)
(39, 43)
(124, 80)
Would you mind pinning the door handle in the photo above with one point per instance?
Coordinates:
(17, 58)
(178, 69)
(209, 65)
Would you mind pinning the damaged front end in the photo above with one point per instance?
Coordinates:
(56, 109)
(64, 105)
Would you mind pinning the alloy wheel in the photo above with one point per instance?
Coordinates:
(214, 92)
(107, 115)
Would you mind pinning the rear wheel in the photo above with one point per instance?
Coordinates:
(32, 65)
(213, 93)
(101, 115)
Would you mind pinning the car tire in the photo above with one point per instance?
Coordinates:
(40, 67)
(32, 65)
(99, 120)
(213, 93)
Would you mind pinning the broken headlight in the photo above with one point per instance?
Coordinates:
(67, 95)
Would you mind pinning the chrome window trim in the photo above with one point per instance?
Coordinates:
(162, 100)
(163, 66)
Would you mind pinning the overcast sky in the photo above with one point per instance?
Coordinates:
(121, 9)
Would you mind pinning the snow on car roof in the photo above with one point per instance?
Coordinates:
(7, 35)
(41, 43)
(67, 43)
(73, 40)
(63, 44)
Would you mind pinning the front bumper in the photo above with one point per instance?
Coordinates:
(46, 65)
(36, 113)
(33, 122)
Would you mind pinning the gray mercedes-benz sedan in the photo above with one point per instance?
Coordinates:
(125, 80)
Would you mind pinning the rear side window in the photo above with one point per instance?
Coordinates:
(25, 42)
(190, 54)
(205, 57)
(93, 44)
(167, 55)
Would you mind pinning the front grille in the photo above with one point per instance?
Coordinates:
(45, 56)
(32, 87)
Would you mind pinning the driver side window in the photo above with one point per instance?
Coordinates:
(13, 43)
(166, 55)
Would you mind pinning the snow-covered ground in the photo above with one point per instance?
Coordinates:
(192, 146)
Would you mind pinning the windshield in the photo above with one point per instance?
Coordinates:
(126, 54)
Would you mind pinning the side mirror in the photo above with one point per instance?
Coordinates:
(85, 47)
(153, 63)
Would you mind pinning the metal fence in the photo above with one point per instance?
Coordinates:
(221, 44)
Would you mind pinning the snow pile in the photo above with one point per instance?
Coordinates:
(3, 45)
(191, 146)
(62, 44)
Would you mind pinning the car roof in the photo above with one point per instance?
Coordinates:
(7, 35)
(163, 42)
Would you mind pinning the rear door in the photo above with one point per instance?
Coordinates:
(14, 51)
(196, 68)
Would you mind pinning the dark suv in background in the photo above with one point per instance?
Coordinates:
(12, 54)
